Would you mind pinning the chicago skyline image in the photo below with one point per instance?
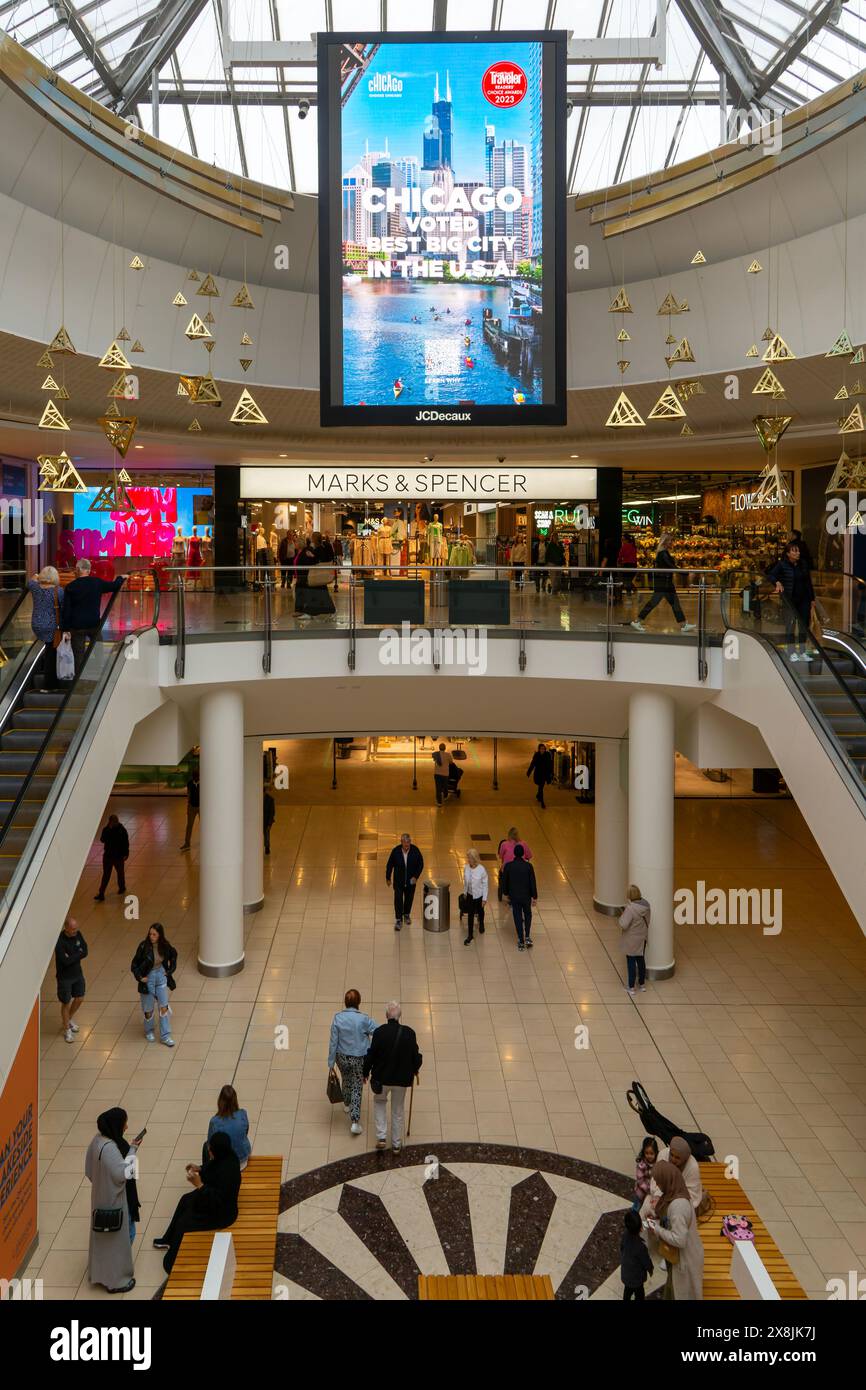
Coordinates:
(441, 225)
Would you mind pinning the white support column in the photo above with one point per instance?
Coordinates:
(610, 879)
(254, 892)
(651, 819)
(221, 899)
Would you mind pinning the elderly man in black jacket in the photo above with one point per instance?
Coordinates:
(406, 865)
(392, 1063)
(82, 602)
(520, 891)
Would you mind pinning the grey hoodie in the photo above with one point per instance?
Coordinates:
(635, 922)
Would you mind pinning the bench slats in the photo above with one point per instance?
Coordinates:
(254, 1236)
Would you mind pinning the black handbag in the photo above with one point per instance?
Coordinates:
(334, 1090)
(107, 1220)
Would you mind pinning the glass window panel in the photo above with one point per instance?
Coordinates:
(198, 53)
(172, 126)
(583, 16)
(299, 21)
(251, 19)
(519, 14)
(410, 14)
(469, 14)
(265, 144)
(215, 136)
(305, 149)
(605, 129)
(358, 15)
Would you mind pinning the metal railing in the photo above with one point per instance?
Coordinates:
(204, 602)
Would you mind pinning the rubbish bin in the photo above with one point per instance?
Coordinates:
(438, 589)
(437, 906)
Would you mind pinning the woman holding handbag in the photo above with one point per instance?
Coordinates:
(108, 1170)
(47, 598)
(349, 1044)
(671, 1232)
(153, 966)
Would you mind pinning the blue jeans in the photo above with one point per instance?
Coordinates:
(157, 994)
(522, 914)
(636, 966)
(131, 1230)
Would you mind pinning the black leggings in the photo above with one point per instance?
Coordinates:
(475, 908)
(655, 599)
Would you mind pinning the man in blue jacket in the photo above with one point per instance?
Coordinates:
(406, 864)
(82, 602)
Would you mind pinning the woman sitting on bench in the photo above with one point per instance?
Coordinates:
(214, 1203)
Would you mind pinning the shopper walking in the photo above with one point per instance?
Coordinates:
(70, 951)
(193, 797)
(794, 581)
(405, 866)
(269, 815)
(153, 966)
(627, 560)
(107, 1169)
(670, 1218)
(475, 889)
(115, 852)
(505, 850)
(634, 923)
(392, 1064)
(520, 891)
(443, 762)
(45, 620)
(541, 771)
(286, 558)
(796, 538)
(213, 1203)
(518, 561)
(351, 1032)
(82, 602)
(314, 570)
(663, 587)
(230, 1119)
(635, 1263)
(554, 558)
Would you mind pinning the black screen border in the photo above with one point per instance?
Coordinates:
(333, 414)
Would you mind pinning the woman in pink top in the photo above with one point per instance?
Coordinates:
(507, 846)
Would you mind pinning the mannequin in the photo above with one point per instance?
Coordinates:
(178, 548)
(194, 560)
(398, 536)
(273, 541)
(207, 547)
(435, 536)
(263, 557)
(385, 542)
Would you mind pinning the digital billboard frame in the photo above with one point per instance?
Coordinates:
(333, 410)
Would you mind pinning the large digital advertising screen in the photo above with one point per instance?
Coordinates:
(441, 228)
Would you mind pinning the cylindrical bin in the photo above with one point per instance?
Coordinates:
(437, 906)
(438, 589)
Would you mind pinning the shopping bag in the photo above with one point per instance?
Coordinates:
(65, 660)
(333, 1089)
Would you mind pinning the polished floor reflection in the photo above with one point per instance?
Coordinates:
(760, 1041)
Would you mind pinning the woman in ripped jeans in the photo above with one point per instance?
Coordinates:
(153, 966)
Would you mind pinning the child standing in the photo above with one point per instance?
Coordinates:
(649, 1152)
(635, 1265)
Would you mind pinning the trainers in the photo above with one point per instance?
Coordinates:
(794, 657)
(631, 992)
(100, 898)
(395, 1148)
(408, 920)
(807, 656)
(397, 925)
(687, 627)
(168, 1042)
(381, 1143)
(638, 625)
(183, 847)
(69, 1036)
(148, 1037)
(160, 1245)
(355, 1127)
(641, 989)
(73, 1027)
(529, 944)
(520, 946)
(468, 941)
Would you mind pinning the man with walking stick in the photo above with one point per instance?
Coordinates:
(392, 1064)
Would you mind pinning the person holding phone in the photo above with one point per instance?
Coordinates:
(109, 1165)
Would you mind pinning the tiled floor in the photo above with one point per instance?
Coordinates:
(758, 1040)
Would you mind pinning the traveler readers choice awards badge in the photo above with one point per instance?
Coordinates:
(504, 84)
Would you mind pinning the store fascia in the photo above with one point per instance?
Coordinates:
(714, 526)
(487, 506)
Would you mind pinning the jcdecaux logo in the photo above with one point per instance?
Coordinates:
(443, 415)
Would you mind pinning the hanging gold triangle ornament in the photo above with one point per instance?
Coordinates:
(753, 351)
(623, 364)
(620, 304)
(113, 497)
(755, 268)
(853, 423)
(242, 299)
(770, 428)
(115, 359)
(699, 258)
(136, 347)
(623, 337)
(179, 301)
(246, 362)
(49, 384)
(841, 347)
(623, 415)
(46, 361)
(136, 263)
(841, 394)
(123, 476)
(123, 336)
(52, 419)
(682, 352)
(768, 384)
(667, 407)
(194, 427)
(208, 392)
(246, 412)
(778, 350)
(858, 357)
(208, 287)
(63, 394)
(112, 411)
(246, 340)
(668, 305)
(61, 342)
(119, 431)
(197, 328)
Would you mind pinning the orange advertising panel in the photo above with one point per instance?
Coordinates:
(18, 1167)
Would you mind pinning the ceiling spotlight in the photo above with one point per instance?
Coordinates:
(574, 456)
(303, 109)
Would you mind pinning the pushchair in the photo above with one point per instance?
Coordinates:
(655, 1123)
(454, 775)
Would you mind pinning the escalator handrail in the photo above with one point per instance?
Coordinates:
(61, 708)
(828, 665)
(22, 595)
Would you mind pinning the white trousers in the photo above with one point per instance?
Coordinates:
(380, 1113)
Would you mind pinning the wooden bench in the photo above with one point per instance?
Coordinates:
(485, 1287)
(731, 1200)
(254, 1236)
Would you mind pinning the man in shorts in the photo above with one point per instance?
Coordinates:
(69, 952)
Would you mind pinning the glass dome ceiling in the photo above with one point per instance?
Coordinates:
(625, 119)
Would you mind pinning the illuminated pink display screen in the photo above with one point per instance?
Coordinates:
(147, 531)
